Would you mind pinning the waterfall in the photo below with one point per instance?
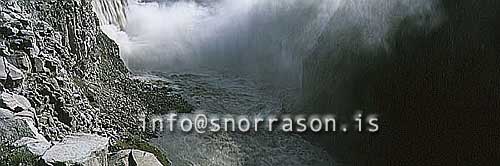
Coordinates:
(267, 38)
(112, 15)
(111, 12)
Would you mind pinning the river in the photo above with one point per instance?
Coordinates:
(222, 93)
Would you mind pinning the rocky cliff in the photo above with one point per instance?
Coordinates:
(60, 74)
(434, 90)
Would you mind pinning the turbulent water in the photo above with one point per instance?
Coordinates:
(253, 47)
(228, 94)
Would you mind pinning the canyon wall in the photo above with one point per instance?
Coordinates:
(60, 74)
(434, 90)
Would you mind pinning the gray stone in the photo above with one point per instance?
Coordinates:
(7, 69)
(14, 102)
(36, 143)
(79, 149)
(14, 72)
(35, 50)
(39, 64)
(3, 71)
(11, 130)
(137, 157)
(6, 114)
(27, 32)
(6, 16)
(22, 60)
(37, 146)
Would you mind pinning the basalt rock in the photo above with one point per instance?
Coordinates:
(60, 75)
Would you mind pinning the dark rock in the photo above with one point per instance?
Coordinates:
(52, 66)
(38, 65)
(8, 31)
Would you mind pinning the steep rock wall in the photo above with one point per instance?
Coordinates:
(434, 90)
(63, 75)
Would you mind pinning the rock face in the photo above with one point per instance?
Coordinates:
(9, 71)
(60, 74)
(133, 157)
(424, 78)
(86, 150)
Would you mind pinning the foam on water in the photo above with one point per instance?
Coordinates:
(225, 94)
(263, 39)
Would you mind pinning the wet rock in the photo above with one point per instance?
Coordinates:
(79, 149)
(133, 157)
(21, 43)
(14, 7)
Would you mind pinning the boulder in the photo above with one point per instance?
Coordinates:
(14, 72)
(9, 70)
(5, 16)
(6, 114)
(18, 130)
(133, 157)
(36, 143)
(14, 102)
(78, 149)
(10, 131)
(37, 146)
